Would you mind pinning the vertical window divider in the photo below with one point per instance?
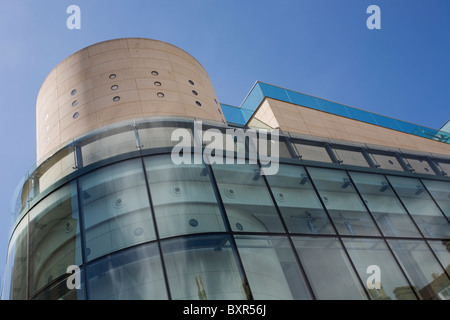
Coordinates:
(288, 236)
(83, 237)
(155, 226)
(228, 228)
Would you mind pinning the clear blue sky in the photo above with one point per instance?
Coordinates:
(318, 47)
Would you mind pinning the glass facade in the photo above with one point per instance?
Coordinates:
(141, 227)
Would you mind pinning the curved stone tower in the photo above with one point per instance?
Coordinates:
(118, 80)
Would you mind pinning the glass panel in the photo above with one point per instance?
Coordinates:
(442, 250)
(366, 253)
(60, 291)
(271, 268)
(387, 162)
(298, 203)
(312, 152)
(351, 157)
(422, 208)
(132, 274)
(387, 210)
(422, 269)
(419, 166)
(116, 208)
(328, 269)
(16, 275)
(54, 237)
(246, 198)
(445, 167)
(183, 197)
(56, 167)
(108, 144)
(159, 135)
(203, 268)
(343, 203)
(440, 190)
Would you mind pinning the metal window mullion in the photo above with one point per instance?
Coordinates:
(155, 226)
(228, 228)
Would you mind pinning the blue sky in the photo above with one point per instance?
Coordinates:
(318, 47)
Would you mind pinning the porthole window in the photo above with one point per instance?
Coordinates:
(74, 91)
(195, 92)
(215, 100)
(193, 222)
(198, 103)
(155, 73)
(47, 140)
(116, 98)
(112, 76)
(75, 115)
(74, 103)
(46, 128)
(157, 83)
(191, 82)
(160, 94)
(220, 111)
(114, 87)
(46, 117)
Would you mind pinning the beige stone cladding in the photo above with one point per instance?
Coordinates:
(293, 118)
(117, 80)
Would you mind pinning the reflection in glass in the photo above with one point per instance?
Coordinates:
(384, 205)
(271, 269)
(351, 157)
(112, 142)
(183, 197)
(203, 268)
(343, 203)
(386, 161)
(116, 208)
(54, 237)
(60, 291)
(440, 190)
(441, 249)
(16, 275)
(328, 269)
(247, 201)
(298, 203)
(422, 208)
(312, 152)
(374, 252)
(132, 274)
(421, 267)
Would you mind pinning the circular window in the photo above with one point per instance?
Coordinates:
(114, 87)
(74, 91)
(198, 103)
(112, 76)
(116, 98)
(160, 94)
(46, 117)
(47, 140)
(74, 103)
(157, 83)
(155, 73)
(215, 100)
(220, 111)
(193, 222)
(195, 92)
(75, 115)
(191, 82)
(138, 232)
(46, 128)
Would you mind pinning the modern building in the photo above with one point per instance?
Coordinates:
(358, 208)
